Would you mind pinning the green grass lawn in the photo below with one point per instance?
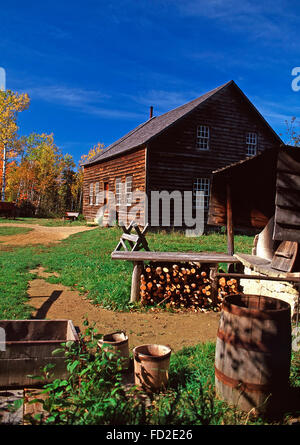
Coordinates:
(48, 222)
(9, 231)
(83, 262)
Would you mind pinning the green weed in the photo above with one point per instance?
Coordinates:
(94, 392)
(9, 231)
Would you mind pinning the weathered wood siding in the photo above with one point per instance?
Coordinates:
(175, 161)
(29, 347)
(252, 185)
(287, 214)
(130, 164)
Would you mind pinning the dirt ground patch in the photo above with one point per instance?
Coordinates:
(55, 301)
(40, 234)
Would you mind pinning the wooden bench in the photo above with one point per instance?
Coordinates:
(138, 258)
(71, 216)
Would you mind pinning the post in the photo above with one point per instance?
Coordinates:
(230, 234)
(135, 281)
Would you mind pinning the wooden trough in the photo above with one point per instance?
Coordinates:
(28, 348)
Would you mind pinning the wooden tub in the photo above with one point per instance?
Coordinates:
(28, 348)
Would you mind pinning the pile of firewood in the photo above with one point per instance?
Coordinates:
(183, 286)
(226, 287)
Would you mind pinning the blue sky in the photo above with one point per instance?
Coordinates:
(93, 68)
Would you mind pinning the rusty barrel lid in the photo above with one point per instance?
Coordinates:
(255, 306)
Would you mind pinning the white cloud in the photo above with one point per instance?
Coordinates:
(91, 102)
(278, 112)
(263, 20)
(219, 9)
(162, 100)
(66, 95)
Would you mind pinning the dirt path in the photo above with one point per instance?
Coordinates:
(40, 234)
(176, 330)
(57, 301)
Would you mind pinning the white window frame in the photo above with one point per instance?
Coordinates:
(251, 143)
(203, 136)
(118, 190)
(128, 190)
(97, 191)
(91, 195)
(201, 185)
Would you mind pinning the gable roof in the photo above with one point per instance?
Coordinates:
(144, 132)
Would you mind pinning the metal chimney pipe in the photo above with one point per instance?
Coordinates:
(151, 112)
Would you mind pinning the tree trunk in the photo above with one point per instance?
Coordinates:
(3, 174)
(80, 200)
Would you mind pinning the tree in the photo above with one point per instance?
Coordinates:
(98, 148)
(44, 180)
(11, 103)
(293, 136)
(44, 159)
(77, 189)
(68, 177)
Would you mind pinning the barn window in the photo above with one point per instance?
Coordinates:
(203, 137)
(201, 200)
(97, 196)
(118, 191)
(128, 190)
(91, 193)
(251, 142)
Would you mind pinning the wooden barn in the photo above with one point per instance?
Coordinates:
(178, 151)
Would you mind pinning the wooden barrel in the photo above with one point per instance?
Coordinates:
(253, 352)
(118, 342)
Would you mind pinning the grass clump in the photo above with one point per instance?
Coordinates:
(9, 231)
(47, 222)
(14, 277)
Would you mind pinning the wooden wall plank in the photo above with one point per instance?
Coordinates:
(287, 215)
(132, 163)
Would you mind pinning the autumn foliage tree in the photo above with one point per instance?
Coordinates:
(44, 179)
(292, 134)
(37, 176)
(11, 103)
(98, 148)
